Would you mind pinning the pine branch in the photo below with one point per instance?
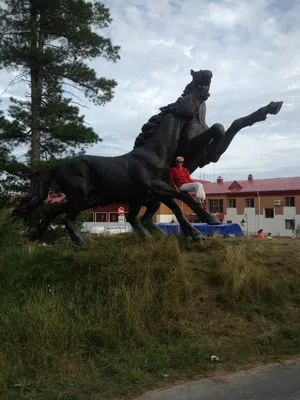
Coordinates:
(78, 98)
(13, 81)
(47, 150)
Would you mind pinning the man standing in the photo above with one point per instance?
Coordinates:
(181, 180)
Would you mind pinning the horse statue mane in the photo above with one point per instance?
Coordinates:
(149, 127)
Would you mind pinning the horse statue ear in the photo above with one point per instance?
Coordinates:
(192, 73)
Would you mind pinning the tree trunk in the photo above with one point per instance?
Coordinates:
(37, 44)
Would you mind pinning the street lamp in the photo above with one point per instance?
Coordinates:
(244, 221)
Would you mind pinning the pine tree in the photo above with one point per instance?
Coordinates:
(49, 43)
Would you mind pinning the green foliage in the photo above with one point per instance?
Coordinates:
(57, 36)
(11, 232)
(296, 231)
(49, 43)
(128, 315)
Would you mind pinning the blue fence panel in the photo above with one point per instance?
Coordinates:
(225, 230)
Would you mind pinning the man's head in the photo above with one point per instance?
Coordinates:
(179, 160)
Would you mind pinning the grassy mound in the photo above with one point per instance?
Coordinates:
(128, 315)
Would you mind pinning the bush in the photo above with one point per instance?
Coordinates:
(296, 231)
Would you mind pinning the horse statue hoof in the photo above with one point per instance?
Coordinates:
(82, 245)
(33, 236)
(196, 237)
(274, 107)
(214, 222)
(211, 219)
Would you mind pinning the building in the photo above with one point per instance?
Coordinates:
(106, 214)
(98, 216)
(269, 204)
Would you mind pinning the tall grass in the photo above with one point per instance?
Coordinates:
(11, 231)
(128, 314)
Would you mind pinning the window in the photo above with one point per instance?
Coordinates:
(269, 212)
(113, 217)
(289, 202)
(232, 203)
(101, 217)
(91, 217)
(250, 203)
(216, 206)
(290, 224)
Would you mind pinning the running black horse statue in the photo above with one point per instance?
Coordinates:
(141, 177)
(134, 178)
(191, 141)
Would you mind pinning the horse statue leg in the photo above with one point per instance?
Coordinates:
(202, 213)
(163, 191)
(94, 201)
(241, 123)
(204, 146)
(47, 218)
(133, 219)
(147, 219)
(187, 229)
(56, 210)
(73, 210)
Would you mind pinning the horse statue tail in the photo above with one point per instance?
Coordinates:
(38, 193)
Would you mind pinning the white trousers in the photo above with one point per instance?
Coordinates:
(195, 187)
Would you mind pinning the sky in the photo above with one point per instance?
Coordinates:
(252, 48)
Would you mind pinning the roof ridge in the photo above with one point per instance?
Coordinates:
(258, 179)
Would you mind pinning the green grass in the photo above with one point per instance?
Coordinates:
(127, 315)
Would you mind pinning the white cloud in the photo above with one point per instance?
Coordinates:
(252, 48)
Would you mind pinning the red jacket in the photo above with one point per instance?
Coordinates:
(179, 176)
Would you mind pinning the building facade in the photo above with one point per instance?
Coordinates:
(106, 214)
(269, 204)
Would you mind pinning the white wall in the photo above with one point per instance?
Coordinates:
(274, 225)
(165, 218)
(231, 211)
(106, 227)
(249, 214)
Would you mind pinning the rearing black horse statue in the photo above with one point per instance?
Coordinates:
(194, 134)
(134, 178)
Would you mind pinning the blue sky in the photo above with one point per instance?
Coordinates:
(252, 48)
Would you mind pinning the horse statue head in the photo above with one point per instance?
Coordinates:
(202, 77)
(201, 80)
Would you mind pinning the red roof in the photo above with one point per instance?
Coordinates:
(230, 187)
(52, 197)
(55, 197)
(201, 181)
(253, 186)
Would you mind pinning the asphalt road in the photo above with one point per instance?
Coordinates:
(276, 382)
